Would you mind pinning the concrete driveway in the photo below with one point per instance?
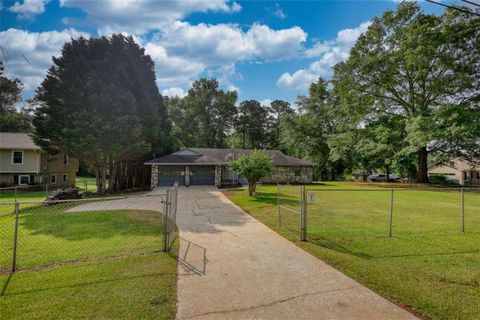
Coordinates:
(233, 267)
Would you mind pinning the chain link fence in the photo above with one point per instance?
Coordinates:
(38, 234)
(408, 213)
(290, 209)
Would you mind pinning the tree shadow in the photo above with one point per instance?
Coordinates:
(83, 284)
(331, 245)
(53, 221)
(271, 198)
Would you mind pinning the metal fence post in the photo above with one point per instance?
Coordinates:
(303, 215)
(15, 237)
(165, 221)
(86, 185)
(462, 201)
(16, 193)
(391, 215)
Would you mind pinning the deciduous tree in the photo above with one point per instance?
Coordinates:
(421, 69)
(253, 167)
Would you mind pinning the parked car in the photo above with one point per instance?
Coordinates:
(381, 177)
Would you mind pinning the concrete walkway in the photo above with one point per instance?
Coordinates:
(233, 267)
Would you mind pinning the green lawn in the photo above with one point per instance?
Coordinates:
(49, 234)
(97, 264)
(22, 195)
(132, 288)
(89, 182)
(428, 265)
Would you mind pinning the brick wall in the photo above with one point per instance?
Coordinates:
(301, 175)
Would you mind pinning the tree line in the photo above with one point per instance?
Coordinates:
(408, 95)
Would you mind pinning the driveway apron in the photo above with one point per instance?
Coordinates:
(233, 267)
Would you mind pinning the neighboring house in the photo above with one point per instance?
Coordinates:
(22, 162)
(209, 166)
(458, 171)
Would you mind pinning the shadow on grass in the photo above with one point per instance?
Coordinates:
(86, 283)
(270, 198)
(5, 285)
(335, 246)
(331, 245)
(54, 221)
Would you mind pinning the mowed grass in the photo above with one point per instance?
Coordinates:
(141, 287)
(88, 265)
(89, 182)
(428, 265)
(51, 234)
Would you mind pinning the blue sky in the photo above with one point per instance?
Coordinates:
(265, 50)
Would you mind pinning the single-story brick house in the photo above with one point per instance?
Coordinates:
(210, 166)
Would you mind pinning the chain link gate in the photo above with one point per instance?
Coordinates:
(170, 217)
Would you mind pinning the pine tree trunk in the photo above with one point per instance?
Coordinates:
(423, 165)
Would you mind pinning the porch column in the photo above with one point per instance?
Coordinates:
(154, 177)
(187, 176)
(218, 176)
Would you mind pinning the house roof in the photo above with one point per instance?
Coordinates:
(10, 140)
(460, 164)
(214, 156)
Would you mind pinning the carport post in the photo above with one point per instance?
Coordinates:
(15, 237)
(303, 214)
(391, 215)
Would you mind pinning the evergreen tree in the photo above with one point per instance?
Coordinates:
(99, 102)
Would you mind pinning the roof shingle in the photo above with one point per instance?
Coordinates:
(217, 156)
(10, 140)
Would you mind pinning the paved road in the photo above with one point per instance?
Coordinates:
(234, 267)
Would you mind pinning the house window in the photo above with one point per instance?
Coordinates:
(23, 179)
(17, 157)
(298, 172)
(53, 178)
(65, 159)
(65, 177)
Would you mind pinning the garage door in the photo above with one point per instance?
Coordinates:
(168, 175)
(202, 175)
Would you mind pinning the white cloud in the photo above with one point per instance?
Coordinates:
(329, 53)
(174, 92)
(278, 12)
(142, 16)
(28, 9)
(182, 52)
(266, 102)
(171, 70)
(29, 54)
(225, 43)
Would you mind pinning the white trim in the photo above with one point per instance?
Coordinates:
(53, 175)
(23, 155)
(20, 179)
(65, 177)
